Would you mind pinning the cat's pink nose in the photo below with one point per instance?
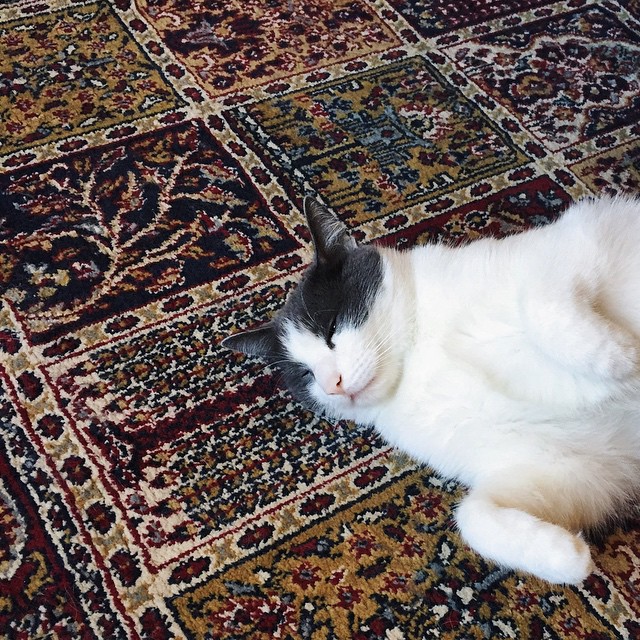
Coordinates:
(333, 387)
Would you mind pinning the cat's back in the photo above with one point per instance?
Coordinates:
(593, 237)
(597, 230)
(481, 288)
(606, 213)
(594, 249)
(475, 306)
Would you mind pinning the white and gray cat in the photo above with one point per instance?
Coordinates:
(512, 365)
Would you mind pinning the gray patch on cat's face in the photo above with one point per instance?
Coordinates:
(343, 291)
(335, 295)
(337, 291)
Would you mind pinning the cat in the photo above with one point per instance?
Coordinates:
(511, 365)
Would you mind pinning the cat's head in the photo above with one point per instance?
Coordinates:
(333, 339)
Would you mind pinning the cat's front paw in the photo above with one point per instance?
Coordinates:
(518, 540)
(567, 561)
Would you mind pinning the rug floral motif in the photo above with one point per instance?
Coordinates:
(319, 580)
(248, 42)
(570, 77)
(70, 72)
(153, 159)
(163, 212)
(435, 17)
(364, 142)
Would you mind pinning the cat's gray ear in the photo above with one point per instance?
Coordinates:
(330, 236)
(261, 342)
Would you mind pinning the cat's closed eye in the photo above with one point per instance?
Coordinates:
(332, 331)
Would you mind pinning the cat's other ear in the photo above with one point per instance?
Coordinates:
(261, 342)
(330, 236)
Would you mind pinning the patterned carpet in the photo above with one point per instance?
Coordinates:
(153, 156)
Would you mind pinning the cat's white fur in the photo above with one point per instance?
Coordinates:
(511, 365)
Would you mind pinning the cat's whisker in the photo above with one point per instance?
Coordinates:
(304, 304)
(380, 347)
(379, 342)
(275, 364)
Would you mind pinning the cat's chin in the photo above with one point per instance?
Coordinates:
(379, 390)
(367, 396)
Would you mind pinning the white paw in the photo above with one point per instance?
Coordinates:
(567, 560)
(518, 540)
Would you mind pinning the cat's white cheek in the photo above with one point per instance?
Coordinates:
(366, 366)
(313, 352)
(355, 360)
(347, 376)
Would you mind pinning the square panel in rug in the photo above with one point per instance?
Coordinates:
(198, 459)
(568, 78)
(241, 44)
(69, 72)
(111, 229)
(377, 141)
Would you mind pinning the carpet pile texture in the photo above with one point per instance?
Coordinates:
(153, 159)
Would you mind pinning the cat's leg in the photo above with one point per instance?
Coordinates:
(571, 331)
(516, 539)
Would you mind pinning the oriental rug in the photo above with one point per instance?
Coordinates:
(153, 158)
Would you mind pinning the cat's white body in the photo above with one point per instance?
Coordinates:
(542, 328)
(512, 365)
